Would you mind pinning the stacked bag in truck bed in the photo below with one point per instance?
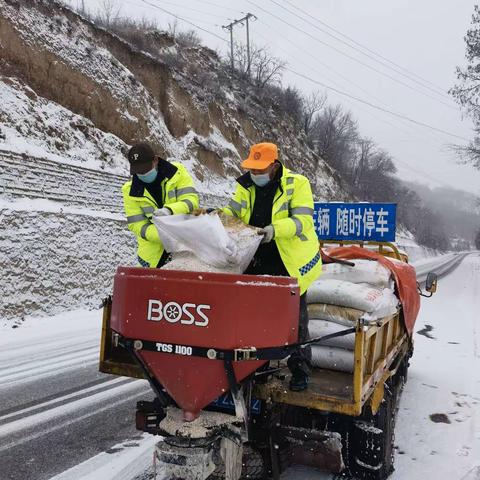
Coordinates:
(338, 299)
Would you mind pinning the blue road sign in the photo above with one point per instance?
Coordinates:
(355, 221)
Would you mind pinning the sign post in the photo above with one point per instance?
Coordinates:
(355, 221)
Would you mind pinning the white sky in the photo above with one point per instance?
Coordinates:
(425, 37)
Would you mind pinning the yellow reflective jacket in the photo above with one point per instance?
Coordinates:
(179, 195)
(292, 219)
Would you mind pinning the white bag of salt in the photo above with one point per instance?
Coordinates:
(378, 302)
(320, 328)
(364, 271)
(206, 237)
(332, 358)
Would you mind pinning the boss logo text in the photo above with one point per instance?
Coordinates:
(173, 312)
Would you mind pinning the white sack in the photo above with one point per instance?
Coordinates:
(207, 238)
(364, 271)
(319, 328)
(334, 313)
(352, 295)
(386, 305)
(332, 358)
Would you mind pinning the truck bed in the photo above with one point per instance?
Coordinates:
(378, 349)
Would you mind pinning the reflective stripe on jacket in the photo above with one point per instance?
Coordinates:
(292, 219)
(179, 195)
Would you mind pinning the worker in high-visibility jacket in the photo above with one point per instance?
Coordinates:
(157, 188)
(280, 202)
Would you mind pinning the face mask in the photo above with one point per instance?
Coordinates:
(260, 180)
(148, 177)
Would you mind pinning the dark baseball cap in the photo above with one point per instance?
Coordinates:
(139, 156)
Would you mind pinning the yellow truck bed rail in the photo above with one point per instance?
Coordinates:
(386, 249)
(379, 347)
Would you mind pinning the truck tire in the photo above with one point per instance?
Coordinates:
(253, 467)
(371, 441)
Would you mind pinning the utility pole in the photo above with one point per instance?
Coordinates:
(229, 27)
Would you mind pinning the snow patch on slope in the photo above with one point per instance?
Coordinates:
(32, 125)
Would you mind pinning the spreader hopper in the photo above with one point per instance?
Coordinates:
(178, 324)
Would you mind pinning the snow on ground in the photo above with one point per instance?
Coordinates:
(406, 242)
(83, 324)
(127, 461)
(444, 378)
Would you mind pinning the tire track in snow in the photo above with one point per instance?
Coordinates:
(59, 399)
(15, 353)
(50, 354)
(36, 370)
(60, 416)
(127, 461)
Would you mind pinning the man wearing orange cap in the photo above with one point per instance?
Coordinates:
(280, 202)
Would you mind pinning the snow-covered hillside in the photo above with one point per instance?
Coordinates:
(209, 125)
(73, 97)
(37, 127)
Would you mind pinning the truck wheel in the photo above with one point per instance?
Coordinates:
(371, 442)
(253, 467)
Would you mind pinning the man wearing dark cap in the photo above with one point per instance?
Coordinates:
(157, 188)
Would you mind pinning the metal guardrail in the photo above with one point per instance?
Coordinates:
(442, 266)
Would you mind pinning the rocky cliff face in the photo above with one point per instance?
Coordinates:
(73, 97)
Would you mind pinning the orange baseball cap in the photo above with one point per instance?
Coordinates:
(261, 156)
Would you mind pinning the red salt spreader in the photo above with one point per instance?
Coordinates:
(192, 334)
(169, 315)
(212, 347)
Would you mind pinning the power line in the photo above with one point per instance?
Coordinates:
(383, 121)
(377, 107)
(442, 90)
(219, 6)
(188, 18)
(353, 47)
(352, 58)
(369, 112)
(422, 172)
(190, 9)
(310, 67)
(184, 20)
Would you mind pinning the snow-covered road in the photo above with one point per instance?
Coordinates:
(56, 409)
(60, 417)
(444, 378)
(438, 426)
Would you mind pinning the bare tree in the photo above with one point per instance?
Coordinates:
(265, 69)
(109, 12)
(311, 106)
(361, 168)
(172, 28)
(467, 91)
(334, 134)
